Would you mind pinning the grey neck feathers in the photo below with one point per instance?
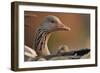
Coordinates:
(40, 42)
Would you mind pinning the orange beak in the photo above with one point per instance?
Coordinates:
(62, 27)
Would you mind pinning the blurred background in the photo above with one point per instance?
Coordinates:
(77, 38)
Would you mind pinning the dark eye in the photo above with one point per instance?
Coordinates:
(52, 21)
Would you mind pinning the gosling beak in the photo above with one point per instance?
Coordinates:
(63, 27)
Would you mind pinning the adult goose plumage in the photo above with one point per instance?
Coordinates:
(40, 49)
(47, 26)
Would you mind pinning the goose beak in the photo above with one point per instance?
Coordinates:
(63, 27)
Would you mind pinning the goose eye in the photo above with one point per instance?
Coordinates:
(52, 21)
